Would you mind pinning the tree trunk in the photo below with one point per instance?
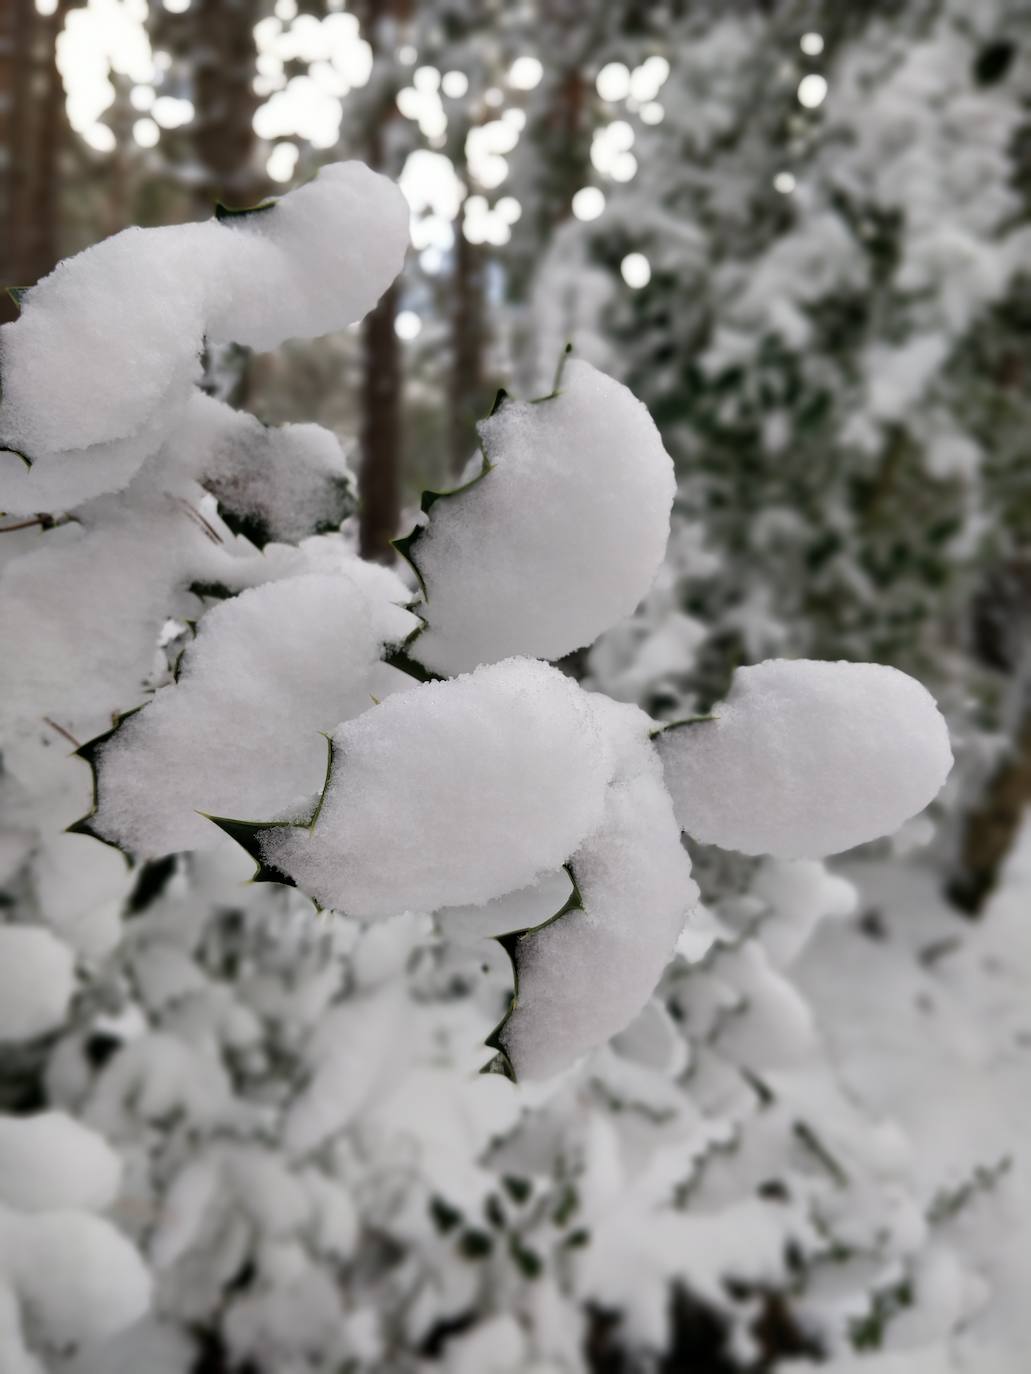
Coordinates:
(32, 134)
(1000, 628)
(225, 63)
(379, 474)
(991, 827)
(467, 341)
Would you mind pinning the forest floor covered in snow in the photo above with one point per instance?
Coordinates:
(929, 1022)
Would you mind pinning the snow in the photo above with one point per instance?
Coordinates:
(78, 1278)
(286, 483)
(559, 540)
(519, 910)
(148, 1347)
(37, 978)
(61, 481)
(354, 1060)
(452, 794)
(800, 893)
(807, 758)
(88, 655)
(16, 1358)
(80, 886)
(108, 340)
(105, 354)
(239, 733)
(50, 1161)
(585, 976)
(324, 255)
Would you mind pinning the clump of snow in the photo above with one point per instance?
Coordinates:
(559, 540)
(280, 484)
(157, 1076)
(49, 1161)
(452, 794)
(800, 893)
(107, 350)
(239, 733)
(108, 340)
(359, 1050)
(807, 758)
(80, 887)
(87, 654)
(324, 255)
(585, 976)
(519, 910)
(37, 978)
(78, 1278)
(61, 481)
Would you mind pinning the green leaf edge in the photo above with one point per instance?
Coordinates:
(226, 212)
(679, 724)
(17, 294)
(428, 500)
(511, 943)
(398, 656)
(405, 545)
(255, 528)
(247, 833)
(89, 753)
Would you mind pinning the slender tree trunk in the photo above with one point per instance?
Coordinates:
(991, 827)
(990, 820)
(33, 129)
(41, 247)
(379, 475)
(467, 343)
(17, 31)
(225, 63)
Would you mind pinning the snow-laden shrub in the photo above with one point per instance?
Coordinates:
(438, 812)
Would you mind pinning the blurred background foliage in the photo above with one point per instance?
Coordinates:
(798, 229)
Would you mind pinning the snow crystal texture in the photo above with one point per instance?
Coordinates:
(560, 539)
(239, 733)
(584, 977)
(107, 350)
(807, 758)
(452, 794)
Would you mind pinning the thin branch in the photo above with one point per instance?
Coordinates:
(43, 520)
(62, 731)
(199, 520)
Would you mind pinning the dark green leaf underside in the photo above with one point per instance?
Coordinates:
(90, 753)
(679, 724)
(225, 212)
(248, 834)
(512, 944)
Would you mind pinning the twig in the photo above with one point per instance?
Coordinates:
(44, 520)
(62, 731)
(198, 519)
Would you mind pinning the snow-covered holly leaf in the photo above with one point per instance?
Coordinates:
(585, 974)
(558, 536)
(807, 758)
(225, 212)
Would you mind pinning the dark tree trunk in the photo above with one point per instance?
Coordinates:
(467, 343)
(32, 134)
(225, 61)
(379, 473)
(991, 818)
(991, 826)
